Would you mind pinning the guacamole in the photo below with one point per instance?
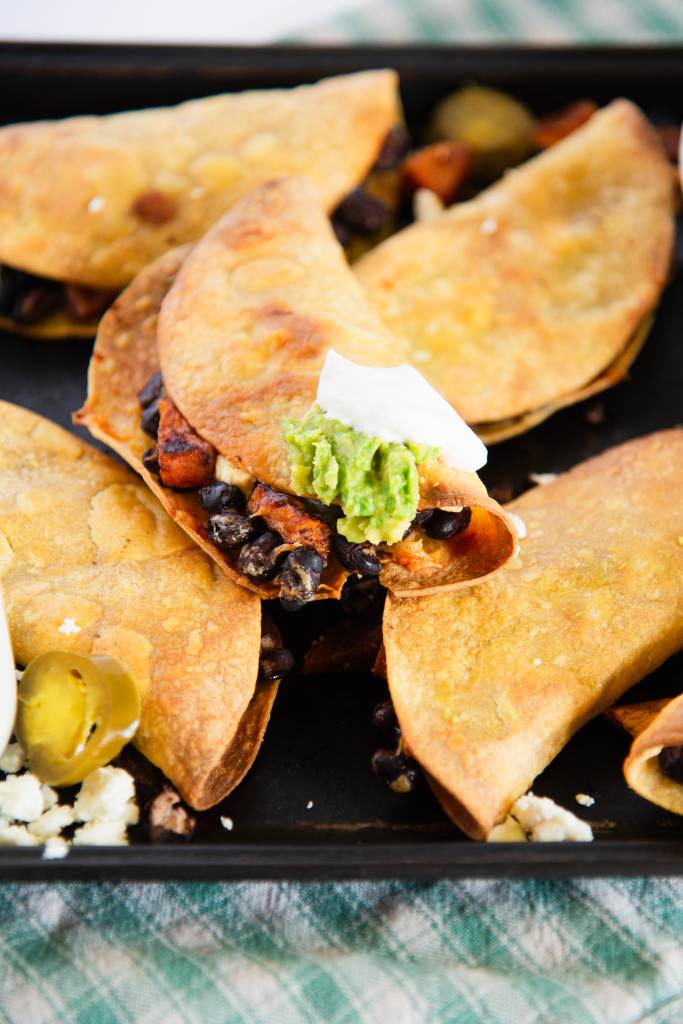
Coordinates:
(374, 481)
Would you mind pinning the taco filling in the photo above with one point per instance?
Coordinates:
(27, 299)
(365, 511)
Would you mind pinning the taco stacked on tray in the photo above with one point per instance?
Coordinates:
(218, 354)
(540, 291)
(87, 202)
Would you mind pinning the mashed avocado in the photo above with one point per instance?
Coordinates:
(374, 481)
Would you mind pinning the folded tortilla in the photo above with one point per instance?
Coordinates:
(654, 725)
(92, 200)
(489, 684)
(539, 291)
(242, 336)
(82, 539)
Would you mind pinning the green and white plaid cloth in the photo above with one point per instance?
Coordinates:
(526, 952)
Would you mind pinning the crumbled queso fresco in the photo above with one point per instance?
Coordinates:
(540, 819)
(31, 815)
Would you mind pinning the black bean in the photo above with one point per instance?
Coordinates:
(220, 497)
(228, 529)
(342, 232)
(328, 514)
(27, 298)
(276, 663)
(300, 578)
(421, 519)
(150, 418)
(364, 596)
(671, 763)
(260, 560)
(360, 558)
(385, 721)
(441, 525)
(35, 303)
(395, 146)
(150, 460)
(399, 772)
(362, 213)
(151, 391)
(10, 283)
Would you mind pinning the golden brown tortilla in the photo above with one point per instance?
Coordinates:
(124, 358)
(490, 683)
(92, 200)
(243, 333)
(515, 303)
(81, 538)
(654, 725)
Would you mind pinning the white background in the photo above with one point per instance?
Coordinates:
(163, 21)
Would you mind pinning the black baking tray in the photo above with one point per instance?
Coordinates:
(320, 740)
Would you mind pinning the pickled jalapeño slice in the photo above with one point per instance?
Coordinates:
(76, 712)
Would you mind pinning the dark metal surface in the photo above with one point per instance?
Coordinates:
(320, 740)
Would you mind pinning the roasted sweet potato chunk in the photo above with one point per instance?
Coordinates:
(563, 122)
(186, 460)
(84, 303)
(287, 516)
(442, 168)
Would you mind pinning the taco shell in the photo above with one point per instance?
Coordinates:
(534, 294)
(92, 200)
(81, 538)
(490, 683)
(242, 336)
(654, 725)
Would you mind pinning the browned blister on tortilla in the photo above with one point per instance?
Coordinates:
(534, 295)
(92, 200)
(81, 538)
(659, 724)
(242, 336)
(490, 683)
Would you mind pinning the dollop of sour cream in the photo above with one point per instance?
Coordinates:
(8, 681)
(397, 404)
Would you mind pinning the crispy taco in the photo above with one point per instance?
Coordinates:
(83, 542)
(489, 684)
(285, 499)
(654, 766)
(88, 201)
(538, 292)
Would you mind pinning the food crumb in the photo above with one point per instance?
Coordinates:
(55, 848)
(584, 799)
(227, 824)
(309, 805)
(95, 204)
(489, 226)
(541, 479)
(69, 627)
(427, 205)
(537, 662)
(594, 415)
